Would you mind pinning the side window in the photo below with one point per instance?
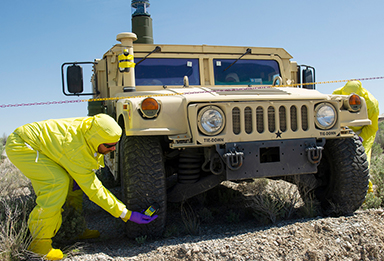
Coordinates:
(167, 71)
(245, 72)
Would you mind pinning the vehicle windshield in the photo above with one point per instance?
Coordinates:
(166, 71)
(245, 72)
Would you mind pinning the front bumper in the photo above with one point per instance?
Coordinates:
(246, 160)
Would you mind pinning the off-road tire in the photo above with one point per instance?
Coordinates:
(342, 177)
(143, 182)
(107, 178)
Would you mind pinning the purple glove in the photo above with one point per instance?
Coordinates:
(141, 218)
(75, 186)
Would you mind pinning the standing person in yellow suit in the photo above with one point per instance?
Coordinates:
(54, 154)
(367, 133)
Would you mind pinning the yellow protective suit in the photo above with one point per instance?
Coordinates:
(53, 152)
(367, 132)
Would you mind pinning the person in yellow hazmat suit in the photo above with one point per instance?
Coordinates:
(366, 133)
(54, 154)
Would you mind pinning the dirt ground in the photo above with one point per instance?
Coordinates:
(356, 237)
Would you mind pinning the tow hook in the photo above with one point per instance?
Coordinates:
(314, 152)
(234, 159)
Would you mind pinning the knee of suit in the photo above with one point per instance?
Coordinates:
(51, 196)
(43, 223)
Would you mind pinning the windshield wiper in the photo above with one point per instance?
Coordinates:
(246, 52)
(156, 50)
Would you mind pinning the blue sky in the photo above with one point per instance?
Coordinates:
(341, 39)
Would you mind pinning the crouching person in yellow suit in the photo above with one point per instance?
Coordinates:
(55, 153)
(367, 133)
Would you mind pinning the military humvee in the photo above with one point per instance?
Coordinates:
(196, 115)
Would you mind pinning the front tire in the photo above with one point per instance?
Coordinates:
(143, 181)
(341, 180)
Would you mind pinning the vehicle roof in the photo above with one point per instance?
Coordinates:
(206, 49)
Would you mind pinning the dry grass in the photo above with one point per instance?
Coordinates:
(272, 201)
(14, 235)
(17, 199)
(16, 202)
(376, 172)
(190, 219)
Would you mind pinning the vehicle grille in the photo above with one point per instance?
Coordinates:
(270, 118)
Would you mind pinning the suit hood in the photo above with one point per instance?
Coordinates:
(101, 128)
(353, 87)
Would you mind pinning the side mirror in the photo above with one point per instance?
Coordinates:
(305, 75)
(308, 77)
(75, 79)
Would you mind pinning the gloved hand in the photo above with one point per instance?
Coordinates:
(137, 217)
(141, 218)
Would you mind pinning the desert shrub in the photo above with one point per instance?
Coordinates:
(376, 171)
(377, 176)
(14, 234)
(380, 135)
(377, 150)
(206, 215)
(266, 208)
(311, 208)
(16, 202)
(12, 182)
(190, 220)
(3, 140)
(273, 201)
(371, 201)
(1, 146)
(141, 240)
(73, 225)
(257, 186)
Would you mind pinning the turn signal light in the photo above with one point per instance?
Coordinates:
(354, 100)
(150, 107)
(353, 103)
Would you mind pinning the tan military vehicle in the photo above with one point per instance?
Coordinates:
(196, 115)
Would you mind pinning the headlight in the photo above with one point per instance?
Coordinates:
(211, 120)
(325, 116)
